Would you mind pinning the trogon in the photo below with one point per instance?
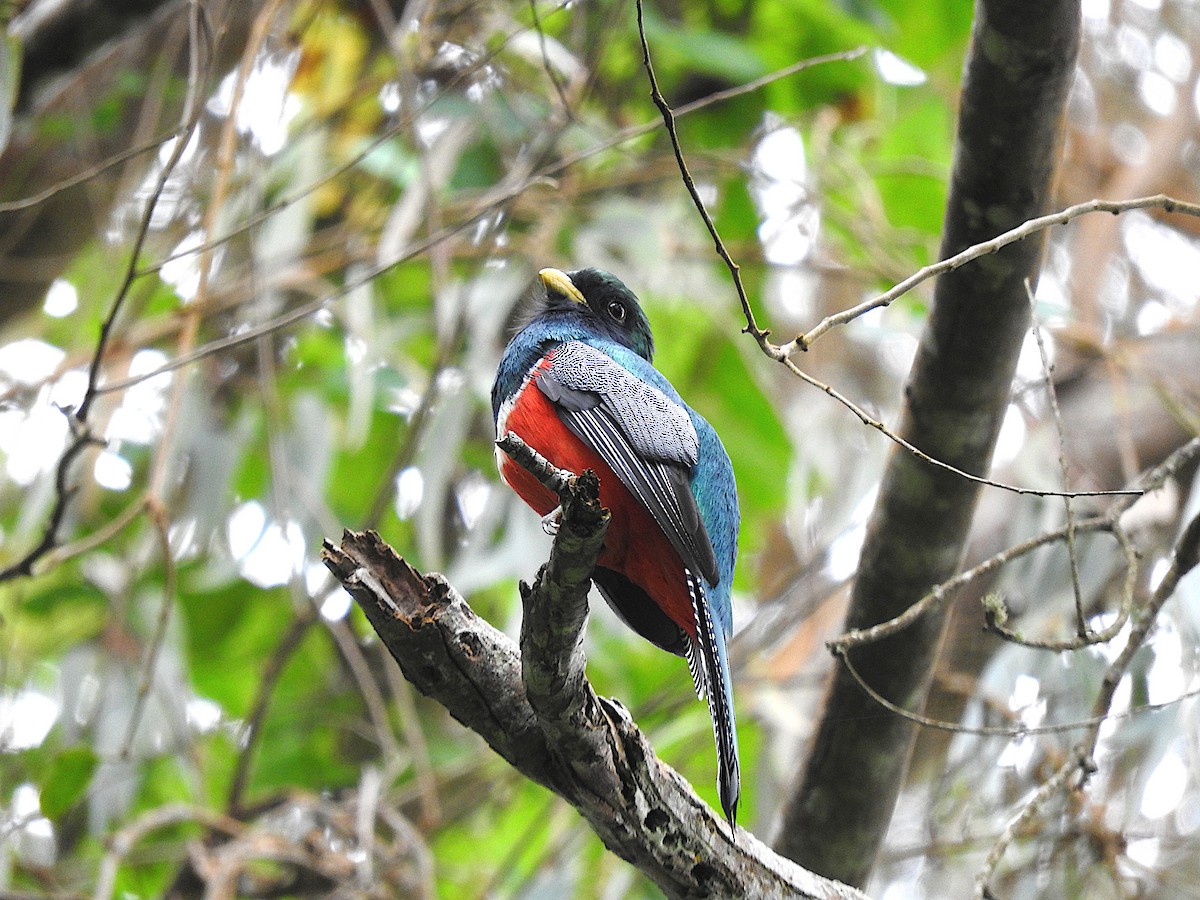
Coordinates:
(577, 384)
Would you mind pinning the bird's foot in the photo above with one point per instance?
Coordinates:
(551, 521)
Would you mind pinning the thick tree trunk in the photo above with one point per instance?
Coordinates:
(1018, 72)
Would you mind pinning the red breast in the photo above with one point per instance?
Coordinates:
(635, 545)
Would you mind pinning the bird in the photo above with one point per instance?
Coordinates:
(577, 384)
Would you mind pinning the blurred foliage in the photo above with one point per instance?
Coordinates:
(398, 176)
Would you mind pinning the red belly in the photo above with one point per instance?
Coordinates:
(635, 545)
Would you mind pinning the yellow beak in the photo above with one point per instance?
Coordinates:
(560, 283)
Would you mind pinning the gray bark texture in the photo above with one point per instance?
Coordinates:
(1018, 71)
(534, 707)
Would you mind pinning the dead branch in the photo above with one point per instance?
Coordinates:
(535, 708)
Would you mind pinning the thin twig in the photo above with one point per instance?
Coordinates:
(158, 517)
(192, 109)
(102, 535)
(936, 596)
(1081, 624)
(90, 172)
(1032, 807)
(1086, 637)
(1024, 230)
(368, 686)
(669, 120)
(1016, 731)
(414, 736)
(81, 431)
(420, 420)
(546, 64)
(1183, 559)
(120, 844)
(276, 663)
(1153, 480)
(63, 492)
(922, 455)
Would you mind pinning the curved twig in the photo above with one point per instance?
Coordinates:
(1022, 231)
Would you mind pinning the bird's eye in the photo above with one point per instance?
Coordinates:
(616, 309)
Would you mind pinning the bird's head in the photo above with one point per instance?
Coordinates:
(609, 306)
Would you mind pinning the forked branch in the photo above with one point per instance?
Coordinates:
(535, 708)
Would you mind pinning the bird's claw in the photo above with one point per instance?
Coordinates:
(551, 521)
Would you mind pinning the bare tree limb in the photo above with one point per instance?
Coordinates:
(1026, 229)
(1081, 763)
(1019, 67)
(534, 707)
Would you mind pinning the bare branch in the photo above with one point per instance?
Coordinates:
(947, 588)
(984, 248)
(1019, 69)
(1109, 521)
(81, 431)
(1001, 731)
(158, 518)
(782, 354)
(1041, 797)
(669, 121)
(584, 748)
(89, 173)
(81, 439)
(864, 417)
(1184, 558)
(123, 842)
(995, 613)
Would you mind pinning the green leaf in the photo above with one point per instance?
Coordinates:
(700, 48)
(911, 158)
(67, 781)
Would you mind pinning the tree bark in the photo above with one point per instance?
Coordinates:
(1018, 71)
(535, 708)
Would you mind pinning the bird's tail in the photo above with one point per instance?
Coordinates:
(709, 666)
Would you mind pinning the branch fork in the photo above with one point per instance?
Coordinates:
(533, 705)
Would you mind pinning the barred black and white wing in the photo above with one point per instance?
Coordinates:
(647, 438)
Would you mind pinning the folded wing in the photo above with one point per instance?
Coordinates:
(646, 437)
